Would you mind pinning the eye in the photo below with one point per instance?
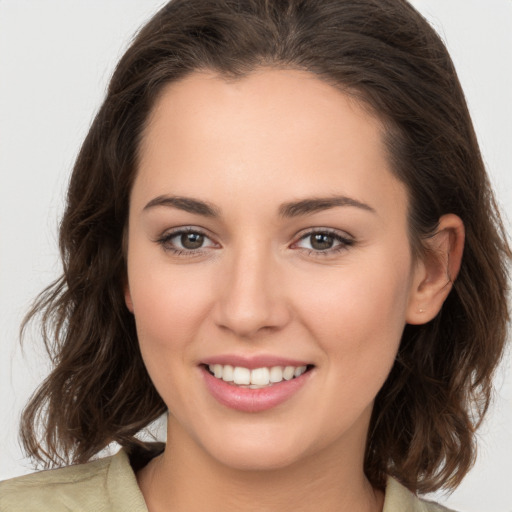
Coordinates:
(323, 242)
(185, 240)
(191, 240)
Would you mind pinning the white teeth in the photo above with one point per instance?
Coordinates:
(288, 372)
(256, 378)
(299, 371)
(260, 376)
(241, 375)
(227, 373)
(217, 370)
(276, 374)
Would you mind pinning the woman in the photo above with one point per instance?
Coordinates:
(264, 236)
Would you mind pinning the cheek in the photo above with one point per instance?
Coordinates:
(169, 303)
(167, 310)
(166, 298)
(357, 316)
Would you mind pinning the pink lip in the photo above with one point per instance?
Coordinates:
(253, 400)
(251, 362)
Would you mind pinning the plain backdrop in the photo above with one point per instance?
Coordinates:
(56, 57)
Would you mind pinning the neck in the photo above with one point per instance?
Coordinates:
(186, 478)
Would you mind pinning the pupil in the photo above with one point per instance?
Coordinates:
(321, 241)
(192, 240)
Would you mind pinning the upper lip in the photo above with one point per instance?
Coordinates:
(253, 361)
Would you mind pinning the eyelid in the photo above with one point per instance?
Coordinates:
(164, 240)
(345, 240)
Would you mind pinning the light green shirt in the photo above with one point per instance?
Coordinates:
(109, 485)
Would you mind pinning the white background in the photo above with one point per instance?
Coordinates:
(55, 60)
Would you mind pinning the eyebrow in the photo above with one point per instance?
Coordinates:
(312, 205)
(287, 210)
(186, 204)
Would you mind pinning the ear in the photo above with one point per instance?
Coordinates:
(436, 270)
(128, 297)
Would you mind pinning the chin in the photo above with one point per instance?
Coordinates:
(257, 458)
(263, 447)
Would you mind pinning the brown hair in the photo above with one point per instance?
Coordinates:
(387, 55)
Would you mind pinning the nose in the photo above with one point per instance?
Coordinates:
(251, 298)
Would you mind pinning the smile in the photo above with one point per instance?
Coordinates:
(254, 389)
(256, 378)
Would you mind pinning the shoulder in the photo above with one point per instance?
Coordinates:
(55, 489)
(400, 499)
(102, 485)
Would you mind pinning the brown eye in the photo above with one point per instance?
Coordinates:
(186, 241)
(324, 242)
(321, 241)
(192, 241)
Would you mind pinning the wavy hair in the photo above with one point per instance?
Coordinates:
(384, 53)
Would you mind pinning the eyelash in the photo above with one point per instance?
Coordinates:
(343, 242)
(165, 241)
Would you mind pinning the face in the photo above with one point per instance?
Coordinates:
(269, 267)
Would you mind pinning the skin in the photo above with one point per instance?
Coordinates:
(258, 286)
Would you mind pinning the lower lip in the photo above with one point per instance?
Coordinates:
(253, 400)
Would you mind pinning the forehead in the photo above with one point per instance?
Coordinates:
(271, 133)
(289, 99)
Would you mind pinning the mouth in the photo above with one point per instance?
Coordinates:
(256, 378)
(256, 389)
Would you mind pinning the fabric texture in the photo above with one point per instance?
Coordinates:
(110, 485)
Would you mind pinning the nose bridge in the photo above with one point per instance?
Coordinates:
(252, 298)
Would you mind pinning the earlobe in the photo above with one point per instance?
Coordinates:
(436, 272)
(128, 298)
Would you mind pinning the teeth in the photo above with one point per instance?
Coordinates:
(257, 378)
(226, 373)
(288, 372)
(299, 371)
(217, 370)
(241, 375)
(260, 376)
(276, 374)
